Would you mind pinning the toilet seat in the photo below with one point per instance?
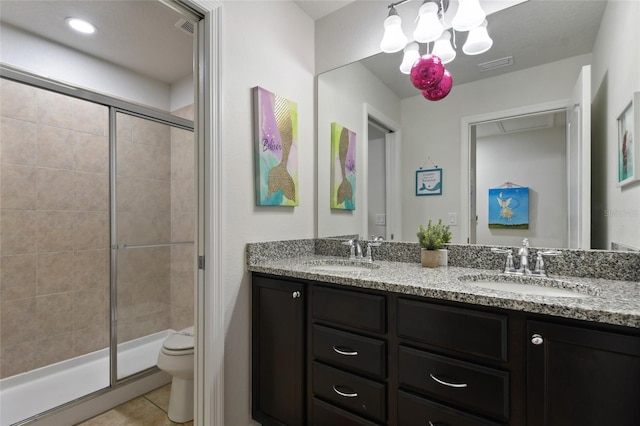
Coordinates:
(179, 343)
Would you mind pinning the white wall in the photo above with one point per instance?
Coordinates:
(267, 44)
(47, 59)
(433, 129)
(615, 212)
(341, 98)
(536, 159)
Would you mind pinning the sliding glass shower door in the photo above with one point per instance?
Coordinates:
(153, 218)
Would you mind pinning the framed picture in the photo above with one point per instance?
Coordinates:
(343, 168)
(276, 149)
(429, 182)
(628, 153)
(509, 208)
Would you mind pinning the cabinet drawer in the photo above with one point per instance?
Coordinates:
(350, 308)
(325, 414)
(348, 350)
(415, 411)
(479, 388)
(349, 391)
(463, 330)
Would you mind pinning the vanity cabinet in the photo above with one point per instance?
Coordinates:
(581, 376)
(278, 353)
(443, 355)
(343, 356)
(349, 356)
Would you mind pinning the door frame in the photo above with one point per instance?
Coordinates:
(392, 170)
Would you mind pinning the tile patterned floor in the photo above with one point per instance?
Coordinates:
(147, 410)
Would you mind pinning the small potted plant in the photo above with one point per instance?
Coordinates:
(431, 240)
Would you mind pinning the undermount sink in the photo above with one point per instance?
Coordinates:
(341, 266)
(529, 285)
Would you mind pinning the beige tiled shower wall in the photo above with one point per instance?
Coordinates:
(54, 224)
(54, 227)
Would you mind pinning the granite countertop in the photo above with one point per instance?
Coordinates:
(608, 301)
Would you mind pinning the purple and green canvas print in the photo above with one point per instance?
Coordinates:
(343, 168)
(276, 130)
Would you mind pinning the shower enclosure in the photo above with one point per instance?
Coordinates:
(97, 256)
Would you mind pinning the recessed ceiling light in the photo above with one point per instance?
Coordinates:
(81, 26)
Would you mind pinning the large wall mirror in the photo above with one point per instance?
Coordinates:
(546, 122)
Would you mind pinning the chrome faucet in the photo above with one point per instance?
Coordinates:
(524, 258)
(355, 249)
(523, 253)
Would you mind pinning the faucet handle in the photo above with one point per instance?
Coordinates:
(509, 268)
(539, 268)
(352, 248)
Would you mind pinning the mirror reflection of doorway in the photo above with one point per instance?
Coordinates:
(527, 151)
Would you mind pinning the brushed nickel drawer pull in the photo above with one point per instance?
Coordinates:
(346, 395)
(451, 385)
(345, 351)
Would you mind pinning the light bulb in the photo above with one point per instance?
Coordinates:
(478, 40)
(411, 55)
(429, 26)
(81, 25)
(443, 49)
(394, 39)
(468, 16)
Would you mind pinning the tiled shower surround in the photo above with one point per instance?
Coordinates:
(54, 224)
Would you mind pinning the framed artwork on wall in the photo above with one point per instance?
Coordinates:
(628, 152)
(509, 207)
(429, 182)
(343, 168)
(276, 149)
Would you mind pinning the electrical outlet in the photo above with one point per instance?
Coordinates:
(453, 219)
(381, 219)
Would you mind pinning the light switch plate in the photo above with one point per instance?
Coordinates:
(381, 219)
(453, 219)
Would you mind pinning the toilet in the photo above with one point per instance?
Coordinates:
(176, 358)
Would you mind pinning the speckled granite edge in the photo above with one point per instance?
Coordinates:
(612, 265)
(607, 301)
(274, 250)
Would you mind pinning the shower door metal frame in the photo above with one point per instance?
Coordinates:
(158, 117)
(115, 105)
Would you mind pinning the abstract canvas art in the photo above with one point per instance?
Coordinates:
(276, 149)
(343, 168)
(509, 208)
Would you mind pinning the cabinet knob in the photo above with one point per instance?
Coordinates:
(296, 295)
(537, 339)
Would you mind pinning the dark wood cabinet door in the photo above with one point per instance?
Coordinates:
(582, 377)
(278, 386)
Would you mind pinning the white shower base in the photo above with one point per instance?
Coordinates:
(27, 394)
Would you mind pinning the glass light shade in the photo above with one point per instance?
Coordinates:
(81, 25)
(468, 16)
(411, 55)
(429, 26)
(394, 39)
(440, 90)
(478, 40)
(442, 48)
(426, 72)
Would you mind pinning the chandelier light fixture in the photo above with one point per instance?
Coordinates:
(427, 72)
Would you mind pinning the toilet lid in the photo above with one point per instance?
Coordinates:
(180, 341)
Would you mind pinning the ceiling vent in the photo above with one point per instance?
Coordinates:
(186, 26)
(498, 63)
